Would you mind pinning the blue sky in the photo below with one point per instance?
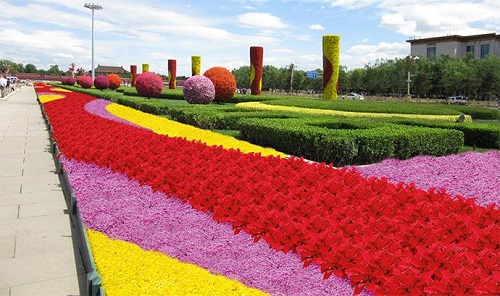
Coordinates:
(49, 32)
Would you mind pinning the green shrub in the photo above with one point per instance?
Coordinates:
(478, 134)
(341, 143)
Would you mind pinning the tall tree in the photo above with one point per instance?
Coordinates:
(242, 76)
(54, 70)
(30, 68)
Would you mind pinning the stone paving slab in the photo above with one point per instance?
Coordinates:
(42, 209)
(29, 198)
(59, 286)
(32, 269)
(58, 223)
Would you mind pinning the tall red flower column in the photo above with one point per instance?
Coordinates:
(331, 56)
(195, 65)
(256, 58)
(133, 73)
(172, 74)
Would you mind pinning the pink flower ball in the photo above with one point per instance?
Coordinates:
(199, 90)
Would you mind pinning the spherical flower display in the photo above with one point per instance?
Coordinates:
(101, 82)
(84, 81)
(149, 84)
(68, 80)
(224, 83)
(114, 81)
(199, 90)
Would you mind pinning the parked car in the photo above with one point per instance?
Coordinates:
(353, 96)
(459, 100)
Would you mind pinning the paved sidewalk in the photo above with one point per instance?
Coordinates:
(38, 255)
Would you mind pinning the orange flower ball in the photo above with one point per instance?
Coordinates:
(114, 81)
(224, 83)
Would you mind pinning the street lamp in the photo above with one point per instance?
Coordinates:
(410, 59)
(93, 7)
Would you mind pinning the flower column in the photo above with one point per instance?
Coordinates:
(331, 53)
(256, 57)
(133, 73)
(195, 65)
(172, 72)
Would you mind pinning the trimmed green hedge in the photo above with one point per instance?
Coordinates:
(355, 142)
(478, 134)
(477, 112)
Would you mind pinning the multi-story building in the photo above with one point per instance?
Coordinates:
(457, 46)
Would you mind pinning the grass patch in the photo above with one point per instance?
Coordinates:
(232, 133)
(471, 148)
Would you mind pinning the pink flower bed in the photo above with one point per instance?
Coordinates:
(469, 174)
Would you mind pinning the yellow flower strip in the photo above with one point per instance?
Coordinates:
(164, 126)
(261, 106)
(126, 269)
(49, 98)
(60, 89)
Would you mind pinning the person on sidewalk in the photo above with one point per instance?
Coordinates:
(3, 86)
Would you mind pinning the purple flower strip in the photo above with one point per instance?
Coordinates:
(98, 108)
(468, 174)
(123, 209)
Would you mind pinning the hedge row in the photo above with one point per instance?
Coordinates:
(388, 107)
(478, 134)
(356, 142)
(478, 112)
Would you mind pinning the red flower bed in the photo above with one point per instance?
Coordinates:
(391, 239)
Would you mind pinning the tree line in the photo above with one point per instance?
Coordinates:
(7, 66)
(429, 78)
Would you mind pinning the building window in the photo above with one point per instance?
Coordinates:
(469, 49)
(485, 50)
(431, 51)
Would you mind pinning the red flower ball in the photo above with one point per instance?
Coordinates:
(68, 80)
(149, 84)
(114, 81)
(84, 81)
(224, 82)
(101, 82)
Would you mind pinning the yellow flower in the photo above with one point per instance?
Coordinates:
(126, 269)
(60, 89)
(261, 106)
(164, 126)
(48, 98)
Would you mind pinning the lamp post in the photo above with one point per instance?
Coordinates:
(410, 59)
(93, 7)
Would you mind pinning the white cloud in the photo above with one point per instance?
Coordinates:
(430, 18)
(398, 22)
(353, 4)
(317, 27)
(359, 55)
(261, 20)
